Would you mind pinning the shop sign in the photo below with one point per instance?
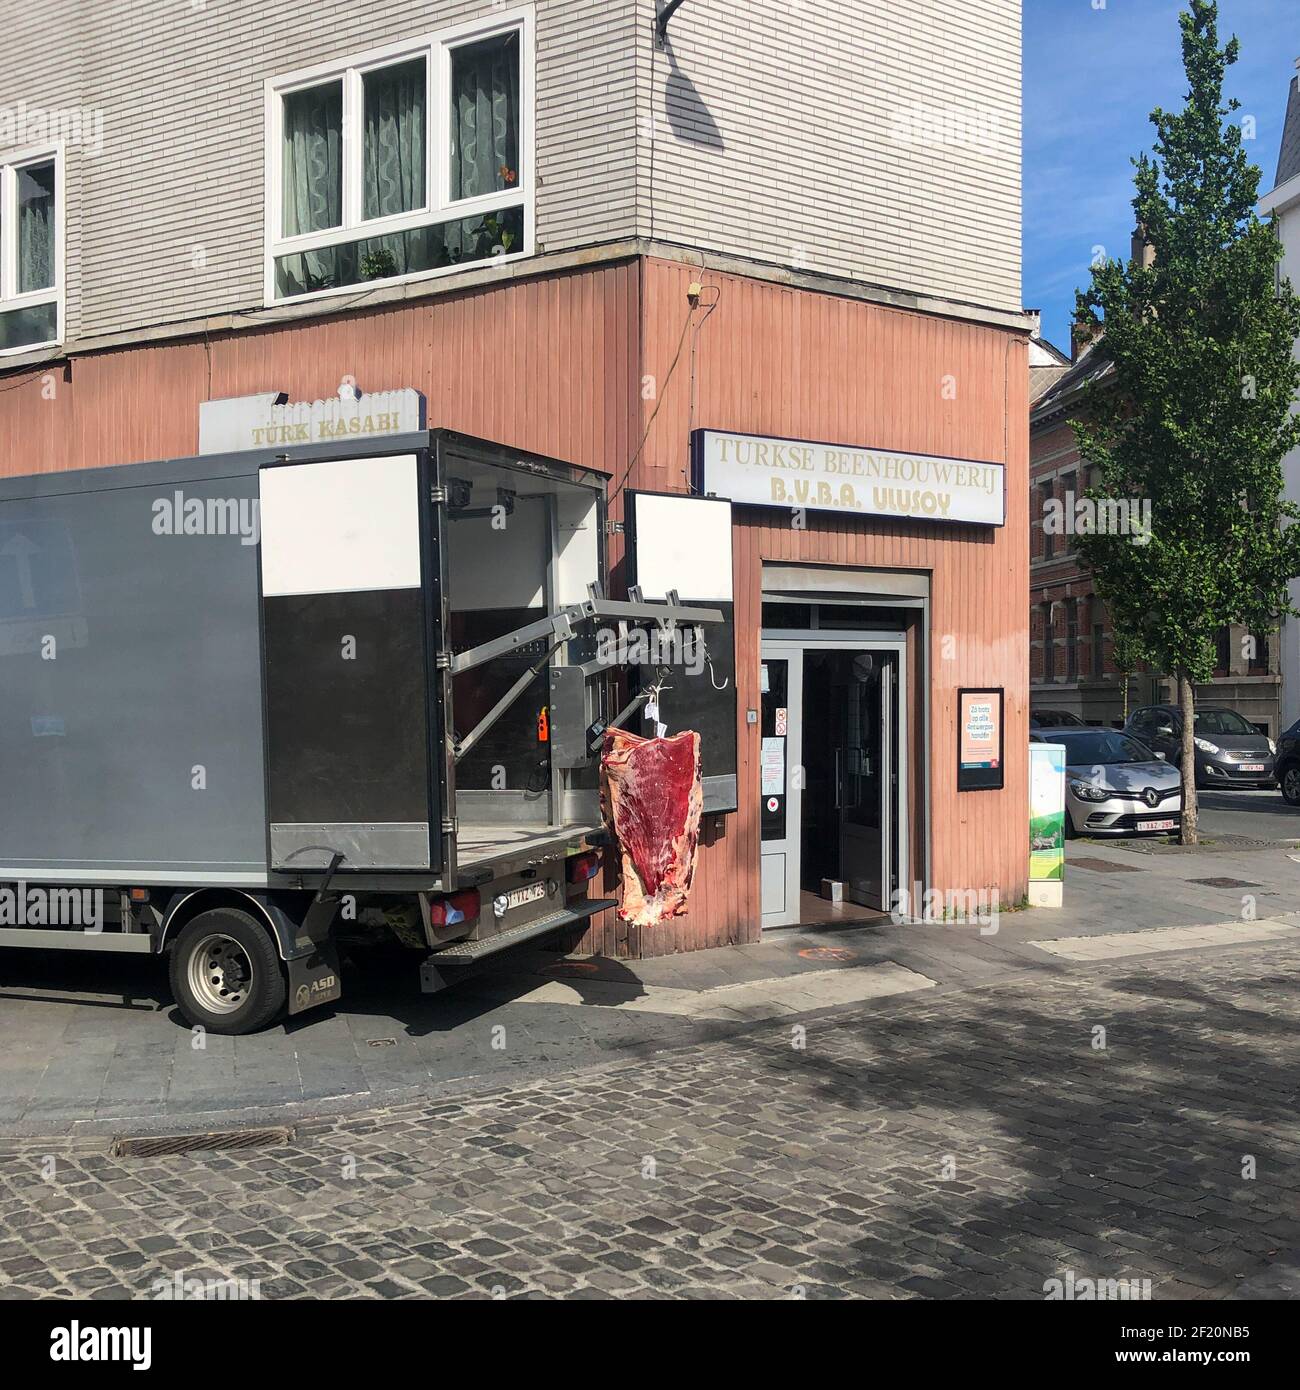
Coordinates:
(793, 473)
(271, 421)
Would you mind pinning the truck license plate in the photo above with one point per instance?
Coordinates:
(517, 897)
(1159, 825)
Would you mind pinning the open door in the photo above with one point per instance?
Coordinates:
(866, 777)
(345, 660)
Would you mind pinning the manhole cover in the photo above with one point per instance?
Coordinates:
(1223, 882)
(828, 953)
(158, 1145)
(1103, 866)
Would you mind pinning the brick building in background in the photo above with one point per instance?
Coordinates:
(1071, 662)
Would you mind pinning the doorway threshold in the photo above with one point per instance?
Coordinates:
(817, 914)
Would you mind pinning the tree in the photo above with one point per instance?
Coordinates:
(1196, 415)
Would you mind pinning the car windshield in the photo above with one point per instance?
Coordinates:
(1101, 747)
(1223, 721)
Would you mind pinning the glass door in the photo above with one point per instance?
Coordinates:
(866, 775)
(780, 785)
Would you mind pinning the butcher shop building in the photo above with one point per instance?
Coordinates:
(758, 266)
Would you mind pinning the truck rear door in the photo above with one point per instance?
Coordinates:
(348, 633)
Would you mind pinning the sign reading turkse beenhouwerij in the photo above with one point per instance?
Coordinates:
(792, 473)
(271, 421)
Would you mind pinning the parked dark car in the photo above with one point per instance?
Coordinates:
(1287, 764)
(1230, 750)
(1054, 719)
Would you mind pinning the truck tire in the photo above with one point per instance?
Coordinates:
(226, 974)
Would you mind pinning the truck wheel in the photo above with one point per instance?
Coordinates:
(226, 974)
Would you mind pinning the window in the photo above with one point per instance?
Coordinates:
(1098, 650)
(31, 250)
(1223, 652)
(1071, 639)
(1049, 653)
(1045, 496)
(413, 161)
(1257, 655)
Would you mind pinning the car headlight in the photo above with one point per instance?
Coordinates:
(1085, 791)
(1272, 747)
(1205, 745)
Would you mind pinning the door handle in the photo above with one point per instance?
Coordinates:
(839, 779)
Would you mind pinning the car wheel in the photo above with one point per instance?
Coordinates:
(1070, 831)
(1290, 783)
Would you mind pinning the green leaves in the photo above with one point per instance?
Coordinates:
(1196, 414)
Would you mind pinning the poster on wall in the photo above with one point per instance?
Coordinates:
(1046, 824)
(979, 740)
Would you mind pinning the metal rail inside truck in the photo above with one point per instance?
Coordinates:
(253, 705)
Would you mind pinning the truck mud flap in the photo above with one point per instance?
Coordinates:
(314, 978)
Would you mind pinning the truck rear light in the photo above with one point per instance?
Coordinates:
(459, 907)
(583, 867)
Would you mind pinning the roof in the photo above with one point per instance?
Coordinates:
(1288, 159)
(1047, 364)
(1092, 365)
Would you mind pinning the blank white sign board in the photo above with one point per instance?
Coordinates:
(683, 543)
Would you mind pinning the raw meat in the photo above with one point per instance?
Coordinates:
(653, 797)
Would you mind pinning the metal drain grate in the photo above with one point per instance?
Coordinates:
(165, 1145)
(1223, 882)
(1103, 866)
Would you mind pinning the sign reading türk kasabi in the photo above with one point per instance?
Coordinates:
(795, 473)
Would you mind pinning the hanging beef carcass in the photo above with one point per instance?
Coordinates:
(653, 796)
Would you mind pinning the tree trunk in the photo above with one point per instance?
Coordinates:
(1189, 834)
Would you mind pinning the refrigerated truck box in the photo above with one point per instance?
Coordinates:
(256, 703)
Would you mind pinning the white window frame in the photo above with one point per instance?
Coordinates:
(10, 300)
(436, 49)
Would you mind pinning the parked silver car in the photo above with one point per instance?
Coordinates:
(1115, 785)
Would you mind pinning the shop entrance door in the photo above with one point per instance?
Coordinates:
(832, 777)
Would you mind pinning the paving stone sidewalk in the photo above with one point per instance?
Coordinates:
(96, 1043)
(973, 1143)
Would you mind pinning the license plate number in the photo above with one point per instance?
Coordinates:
(517, 897)
(1159, 825)
(1252, 767)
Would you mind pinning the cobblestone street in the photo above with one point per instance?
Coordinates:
(977, 1142)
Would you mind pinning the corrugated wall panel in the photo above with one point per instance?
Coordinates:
(774, 360)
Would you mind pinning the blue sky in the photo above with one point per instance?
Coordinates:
(1092, 77)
